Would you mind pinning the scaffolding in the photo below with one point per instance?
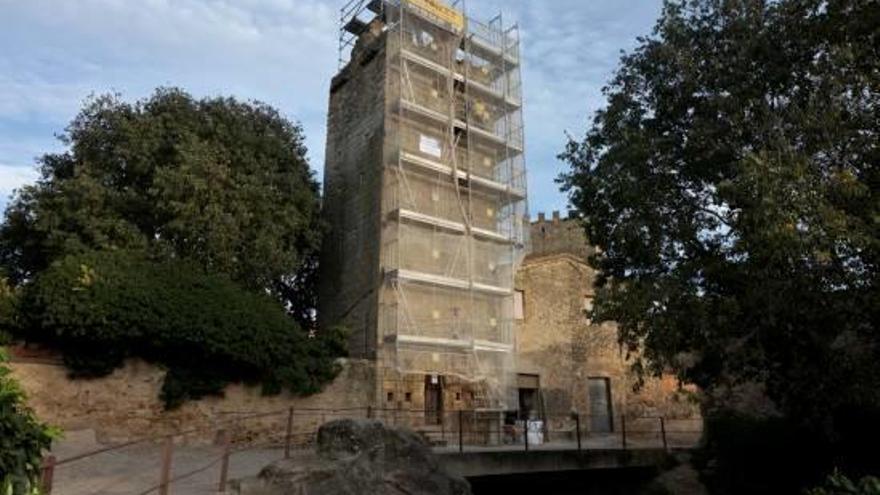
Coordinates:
(453, 192)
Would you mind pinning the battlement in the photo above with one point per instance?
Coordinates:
(558, 235)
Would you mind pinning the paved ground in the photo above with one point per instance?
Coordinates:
(135, 470)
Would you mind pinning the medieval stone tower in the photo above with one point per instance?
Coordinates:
(425, 194)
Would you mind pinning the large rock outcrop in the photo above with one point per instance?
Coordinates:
(358, 457)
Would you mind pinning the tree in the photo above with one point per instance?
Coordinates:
(8, 310)
(22, 438)
(218, 181)
(731, 184)
(103, 307)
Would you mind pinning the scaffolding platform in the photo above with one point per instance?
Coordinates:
(453, 193)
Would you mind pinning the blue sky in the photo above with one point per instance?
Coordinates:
(54, 53)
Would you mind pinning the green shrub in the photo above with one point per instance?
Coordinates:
(8, 310)
(775, 455)
(101, 308)
(22, 438)
(838, 484)
(744, 454)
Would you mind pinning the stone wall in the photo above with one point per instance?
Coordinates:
(125, 405)
(557, 342)
(558, 235)
(350, 276)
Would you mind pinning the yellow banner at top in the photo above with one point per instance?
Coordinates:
(440, 10)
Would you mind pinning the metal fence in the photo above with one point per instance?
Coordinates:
(242, 443)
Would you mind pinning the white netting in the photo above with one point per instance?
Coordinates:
(453, 199)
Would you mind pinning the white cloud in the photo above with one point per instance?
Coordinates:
(13, 177)
(282, 52)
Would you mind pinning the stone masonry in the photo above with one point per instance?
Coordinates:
(557, 343)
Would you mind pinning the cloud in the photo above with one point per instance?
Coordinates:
(13, 177)
(282, 52)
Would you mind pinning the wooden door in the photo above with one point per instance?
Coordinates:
(433, 399)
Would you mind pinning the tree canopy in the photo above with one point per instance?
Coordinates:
(216, 180)
(176, 230)
(8, 310)
(731, 184)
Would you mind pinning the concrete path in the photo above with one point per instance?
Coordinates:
(135, 470)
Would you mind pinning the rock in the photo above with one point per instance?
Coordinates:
(357, 457)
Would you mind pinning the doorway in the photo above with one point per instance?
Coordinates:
(600, 405)
(528, 387)
(433, 399)
(528, 403)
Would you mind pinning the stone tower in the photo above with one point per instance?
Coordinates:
(425, 195)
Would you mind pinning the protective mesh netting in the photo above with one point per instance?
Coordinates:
(454, 200)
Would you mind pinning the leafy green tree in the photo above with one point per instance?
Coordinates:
(731, 183)
(102, 307)
(216, 180)
(8, 310)
(23, 439)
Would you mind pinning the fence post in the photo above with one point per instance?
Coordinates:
(165, 473)
(47, 474)
(224, 463)
(577, 428)
(663, 432)
(623, 429)
(460, 431)
(474, 436)
(526, 434)
(288, 433)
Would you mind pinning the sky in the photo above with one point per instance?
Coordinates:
(55, 53)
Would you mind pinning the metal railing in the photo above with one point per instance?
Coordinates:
(279, 435)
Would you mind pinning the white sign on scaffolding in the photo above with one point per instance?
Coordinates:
(430, 146)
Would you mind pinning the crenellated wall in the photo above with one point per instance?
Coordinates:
(558, 235)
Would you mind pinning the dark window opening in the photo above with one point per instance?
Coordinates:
(528, 388)
(528, 403)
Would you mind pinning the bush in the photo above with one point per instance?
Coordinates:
(839, 484)
(101, 308)
(759, 455)
(775, 455)
(8, 310)
(22, 438)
